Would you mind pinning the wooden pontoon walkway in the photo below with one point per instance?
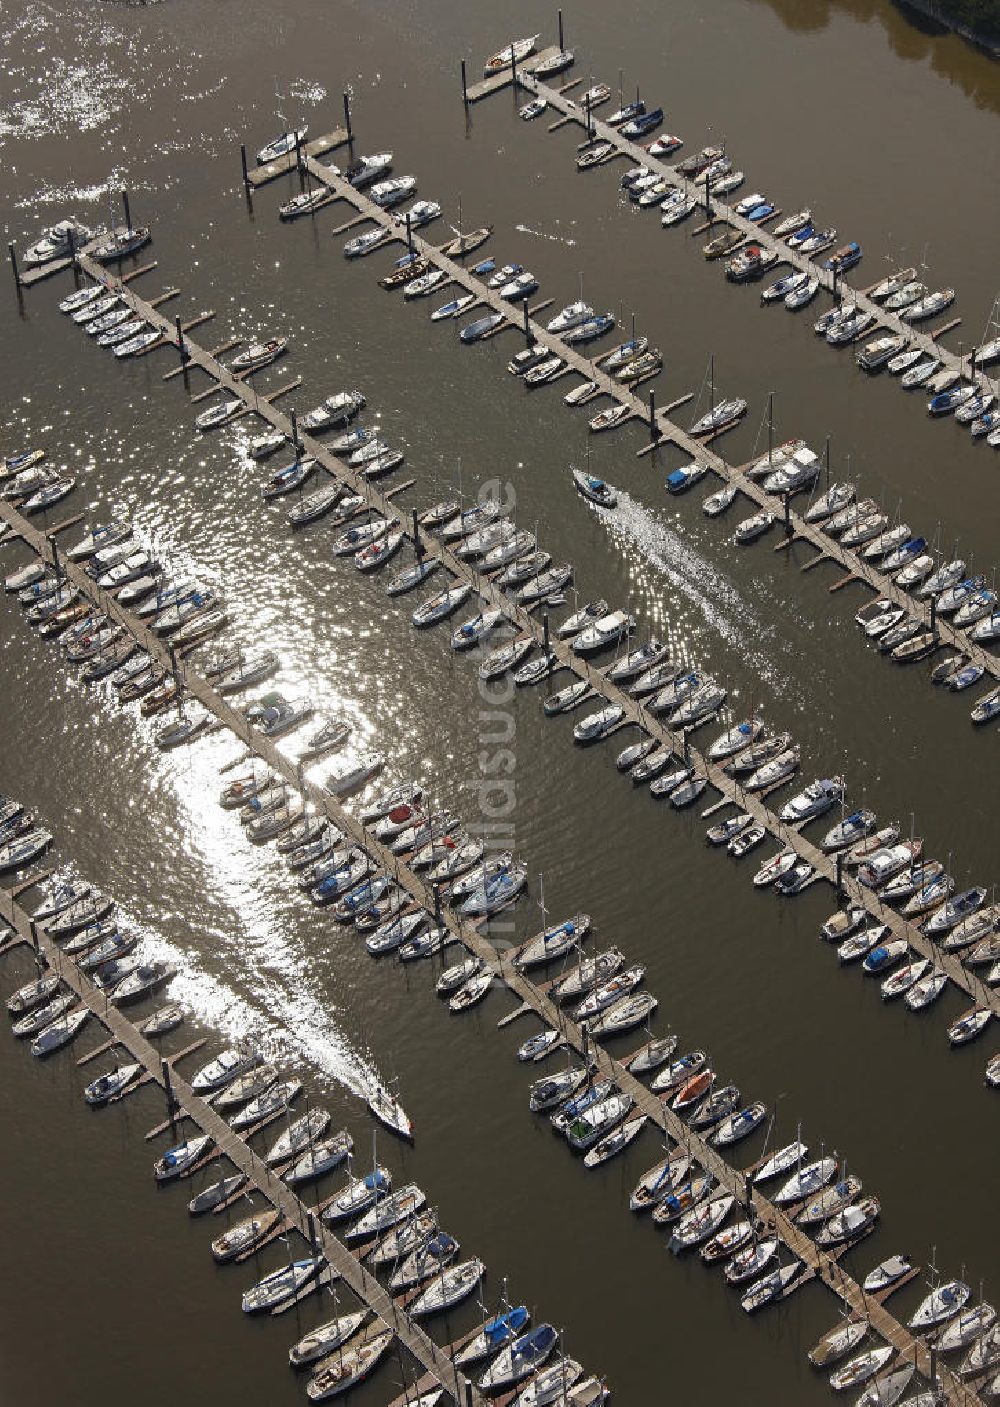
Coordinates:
(260, 1178)
(522, 620)
(666, 430)
(885, 321)
(817, 1262)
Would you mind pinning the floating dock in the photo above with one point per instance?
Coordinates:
(817, 1262)
(885, 321)
(521, 619)
(663, 430)
(270, 171)
(507, 76)
(260, 1178)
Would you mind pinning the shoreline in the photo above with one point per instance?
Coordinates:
(939, 13)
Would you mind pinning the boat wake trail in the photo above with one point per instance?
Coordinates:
(544, 234)
(721, 605)
(263, 990)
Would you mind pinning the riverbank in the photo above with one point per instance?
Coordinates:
(977, 21)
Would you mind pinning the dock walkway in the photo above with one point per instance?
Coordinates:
(522, 620)
(260, 1178)
(816, 1261)
(667, 431)
(663, 430)
(885, 321)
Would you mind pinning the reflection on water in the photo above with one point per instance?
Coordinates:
(255, 954)
(912, 35)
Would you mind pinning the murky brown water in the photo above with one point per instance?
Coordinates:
(885, 130)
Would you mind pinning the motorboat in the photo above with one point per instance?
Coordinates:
(754, 527)
(677, 209)
(605, 632)
(393, 191)
(684, 478)
(887, 862)
(59, 241)
(148, 978)
(817, 798)
(223, 1069)
(751, 263)
(799, 297)
(717, 503)
(119, 243)
(843, 259)
(726, 830)
(776, 769)
(746, 841)
(595, 1122)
